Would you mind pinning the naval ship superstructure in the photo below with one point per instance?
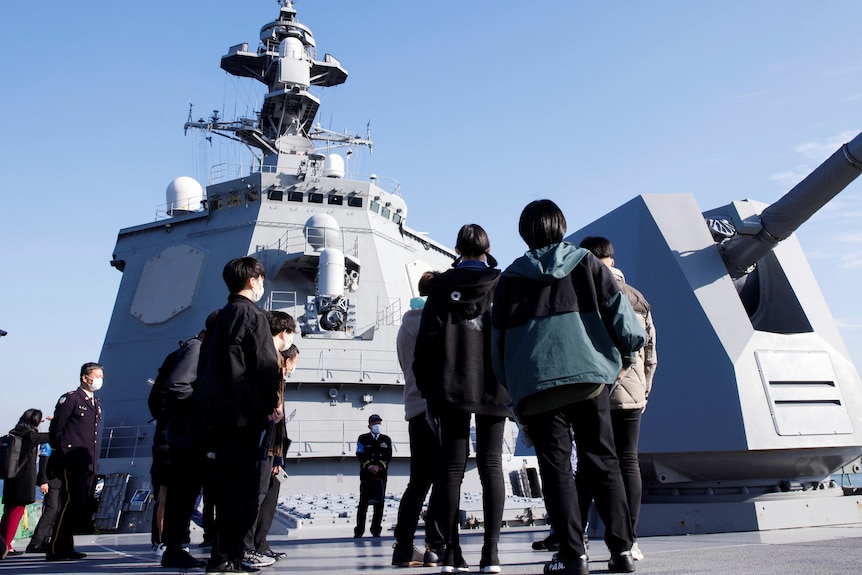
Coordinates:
(338, 255)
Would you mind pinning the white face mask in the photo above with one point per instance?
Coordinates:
(257, 292)
(283, 341)
(96, 384)
(375, 429)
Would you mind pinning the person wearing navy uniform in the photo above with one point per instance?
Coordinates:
(74, 436)
(374, 451)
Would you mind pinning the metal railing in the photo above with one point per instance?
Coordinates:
(310, 438)
(130, 442)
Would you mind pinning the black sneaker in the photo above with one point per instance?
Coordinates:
(559, 566)
(431, 557)
(453, 561)
(404, 556)
(549, 543)
(33, 548)
(180, 559)
(230, 568)
(70, 556)
(490, 562)
(621, 562)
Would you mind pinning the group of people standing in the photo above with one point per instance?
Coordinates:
(544, 342)
(222, 414)
(226, 428)
(67, 456)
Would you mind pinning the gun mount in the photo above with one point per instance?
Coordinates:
(755, 400)
(784, 217)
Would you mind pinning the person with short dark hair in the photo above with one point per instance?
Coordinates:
(628, 399)
(74, 436)
(374, 452)
(238, 379)
(256, 549)
(186, 435)
(563, 333)
(20, 490)
(278, 454)
(452, 364)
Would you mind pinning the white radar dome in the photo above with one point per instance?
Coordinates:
(184, 195)
(333, 166)
(322, 231)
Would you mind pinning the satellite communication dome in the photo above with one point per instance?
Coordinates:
(184, 195)
(333, 166)
(322, 231)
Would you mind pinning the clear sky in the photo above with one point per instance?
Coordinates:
(476, 108)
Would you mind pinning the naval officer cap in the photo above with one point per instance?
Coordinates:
(374, 419)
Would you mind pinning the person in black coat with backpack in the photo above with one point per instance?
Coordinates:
(20, 490)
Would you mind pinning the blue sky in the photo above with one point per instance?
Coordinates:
(476, 108)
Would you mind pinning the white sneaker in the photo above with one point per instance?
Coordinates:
(637, 555)
(159, 550)
(254, 560)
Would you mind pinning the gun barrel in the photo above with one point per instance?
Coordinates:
(784, 217)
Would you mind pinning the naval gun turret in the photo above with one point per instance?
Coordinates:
(784, 217)
(755, 401)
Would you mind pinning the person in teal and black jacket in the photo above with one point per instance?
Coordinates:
(562, 334)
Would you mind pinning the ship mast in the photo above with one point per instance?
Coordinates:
(286, 62)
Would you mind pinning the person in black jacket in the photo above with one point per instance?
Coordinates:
(452, 364)
(185, 432)
(238, 380)
(374, 451)
(74, 434)
(20, 490)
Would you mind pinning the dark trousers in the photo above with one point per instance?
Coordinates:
(266, 513)
(237, 480)
(424, 461)
(264, 475)
(50, 506)
(209, 496)
(74, 509)
(626, 424)
(455, 431)
(597, 464)
(371, 492)
(187, 470)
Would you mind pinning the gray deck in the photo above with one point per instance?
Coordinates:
(327, 550)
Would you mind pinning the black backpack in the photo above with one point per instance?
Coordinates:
(157, 400)
(10, 456)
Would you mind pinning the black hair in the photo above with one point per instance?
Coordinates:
(423, 282)
(238, 271)
(291, 352)
(600, 247)
(31, 418)
(542, 223)
(472, 241)
(89, 367)
(280, 321)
